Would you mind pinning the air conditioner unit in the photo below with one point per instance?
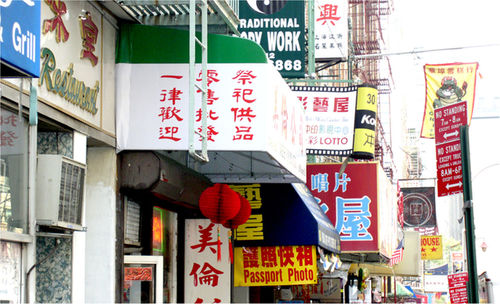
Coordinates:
(59, 192)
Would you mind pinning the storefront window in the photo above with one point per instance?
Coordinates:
(10, 272)
(13, 172)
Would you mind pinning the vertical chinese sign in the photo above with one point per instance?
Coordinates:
(350, 200)
(279, 28)
(446, 84)
(329, 118)
(206, 279)
(330, 29)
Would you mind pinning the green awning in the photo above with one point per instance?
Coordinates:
(155, 44)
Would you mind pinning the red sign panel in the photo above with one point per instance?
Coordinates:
(457, 284)
(350, 202)
(447, 123)
(138, 274)
(449, 168)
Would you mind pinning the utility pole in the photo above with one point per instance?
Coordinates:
(470, 239)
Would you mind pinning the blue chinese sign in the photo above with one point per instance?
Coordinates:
(350, 201)
(20, 36)
(284, 215)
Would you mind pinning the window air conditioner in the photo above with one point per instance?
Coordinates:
(59, 192)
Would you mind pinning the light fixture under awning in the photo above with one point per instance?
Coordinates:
(290, 216)
(252, 113)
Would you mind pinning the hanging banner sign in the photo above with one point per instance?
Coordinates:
(329, 118)
(330, 29)
(366, 122)
(278, 26)
(446, 84)
(432, 247)
(419, 208)
(273, 266)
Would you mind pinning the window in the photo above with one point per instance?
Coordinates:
(13, 172)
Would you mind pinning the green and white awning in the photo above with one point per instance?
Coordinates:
(255, 122)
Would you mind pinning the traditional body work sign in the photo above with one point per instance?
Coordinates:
(275, 265)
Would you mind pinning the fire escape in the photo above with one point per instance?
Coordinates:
(368, 18)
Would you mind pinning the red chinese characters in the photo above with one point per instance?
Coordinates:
(168, 112)
(243, 112)
(328, 13)
(58, 7)
(203, 272)
(89, 33)
(212, 77)
(8, 136)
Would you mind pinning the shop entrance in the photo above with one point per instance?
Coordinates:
(143, 279)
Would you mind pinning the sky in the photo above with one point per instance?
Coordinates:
(443, 24)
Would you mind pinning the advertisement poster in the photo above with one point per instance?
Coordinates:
(329, 118)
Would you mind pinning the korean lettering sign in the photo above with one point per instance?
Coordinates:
(349, 200)
(206, 279)
(20, 35)
(329, 118)
(330, 29)
(279, 27)
(271, 266)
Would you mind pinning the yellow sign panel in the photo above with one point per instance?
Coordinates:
(366, 121)
(272, 266)
(431, 247)
(446, 84)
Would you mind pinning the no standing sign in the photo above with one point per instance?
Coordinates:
(447, 122)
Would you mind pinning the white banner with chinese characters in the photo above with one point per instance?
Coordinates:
(206, 279)
(330, 29)
(249, 108)
(329, 118)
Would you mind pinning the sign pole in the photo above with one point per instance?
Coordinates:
(469, 216)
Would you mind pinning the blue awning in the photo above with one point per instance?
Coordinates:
(290, 217)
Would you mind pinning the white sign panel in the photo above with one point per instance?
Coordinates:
(436, 283)
(329, 119)
(331, 29)
(249, 108)
(206, 278)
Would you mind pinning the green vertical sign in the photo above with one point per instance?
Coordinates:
(278, 26)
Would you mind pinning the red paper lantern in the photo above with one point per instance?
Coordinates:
(242, 216)
(219, 203)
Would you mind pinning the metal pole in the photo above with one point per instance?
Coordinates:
(470, 240)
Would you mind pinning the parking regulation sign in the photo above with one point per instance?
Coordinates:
(447, 122)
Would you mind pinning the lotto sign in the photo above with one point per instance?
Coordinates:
(457, 284)
(271, 266)
(448, 120)
(431, 247)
